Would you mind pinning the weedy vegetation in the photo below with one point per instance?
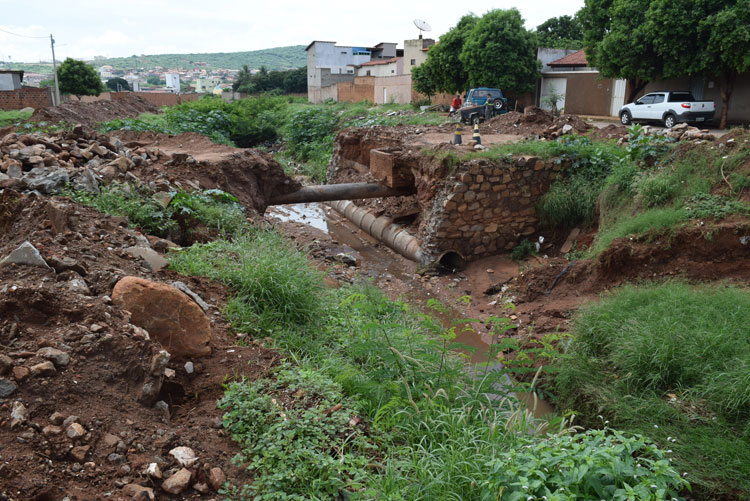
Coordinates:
(669, 361)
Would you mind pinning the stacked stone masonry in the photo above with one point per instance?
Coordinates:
(486, 206)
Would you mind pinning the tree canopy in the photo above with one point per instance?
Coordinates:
(443, 70)
(287, 82)
(494, 50)
(118, 84)
(619, 43)
(78, 78)
(564, 32)
(501, 52)
(709, 39)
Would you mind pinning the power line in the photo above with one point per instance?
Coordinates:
(16, 34)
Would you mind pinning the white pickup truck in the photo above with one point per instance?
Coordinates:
(668, 108)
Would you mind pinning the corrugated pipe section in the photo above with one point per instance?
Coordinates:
(383, 229)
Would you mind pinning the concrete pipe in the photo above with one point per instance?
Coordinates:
(383, 229)
(344, 191)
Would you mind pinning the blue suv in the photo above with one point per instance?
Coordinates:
(480, 96)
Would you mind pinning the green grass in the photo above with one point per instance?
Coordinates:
(656, 221)
(670, 361)
(275, 287)
(12, 117)
(570, 203)
(214, 209)
(430, 430)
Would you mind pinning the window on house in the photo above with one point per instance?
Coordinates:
(393, 71)
(368, 73)
(413, 62)
(350, 71)
(343, 52)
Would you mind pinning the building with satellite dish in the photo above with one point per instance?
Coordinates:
(380, 74)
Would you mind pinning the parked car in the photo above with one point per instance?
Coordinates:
(668, 108)
(480, 95)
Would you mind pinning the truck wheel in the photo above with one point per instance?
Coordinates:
(498, 104)
(476, 120)
(625, 118)
(669, 121)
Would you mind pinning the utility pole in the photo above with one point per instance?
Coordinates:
(54, 67)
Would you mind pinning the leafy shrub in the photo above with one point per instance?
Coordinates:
(214, 208)
(295, 436)
(644, 147)
(596, 464)
(522, 250)
(130, 201)
(707, 205)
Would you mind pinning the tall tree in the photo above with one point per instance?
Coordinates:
(564, 32)
(443, 70)
(78, 78)
(501, 52)
(709, 39)
(618, 42)
(118, 84)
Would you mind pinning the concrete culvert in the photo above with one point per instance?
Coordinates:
(452, 260)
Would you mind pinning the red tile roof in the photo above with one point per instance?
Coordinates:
(575, 59)
(383, 61)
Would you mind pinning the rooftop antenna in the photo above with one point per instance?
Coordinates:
(422, 26)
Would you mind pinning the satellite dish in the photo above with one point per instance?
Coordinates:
(422, 26)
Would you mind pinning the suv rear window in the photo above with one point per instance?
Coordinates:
(676, 97)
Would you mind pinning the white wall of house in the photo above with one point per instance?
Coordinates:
(10, 81)
(553, 85)
(381, 70)
(173, 81)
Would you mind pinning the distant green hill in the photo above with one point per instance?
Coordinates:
(277, 58)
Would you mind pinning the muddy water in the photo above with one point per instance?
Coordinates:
(393, 272)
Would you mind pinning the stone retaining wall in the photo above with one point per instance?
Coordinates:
(486, 206)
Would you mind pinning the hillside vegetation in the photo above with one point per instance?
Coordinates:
(276, 58)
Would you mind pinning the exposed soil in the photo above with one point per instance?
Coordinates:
(90, 114)
(109, 361)
(253, 176)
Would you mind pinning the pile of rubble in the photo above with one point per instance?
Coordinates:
(566, 124)
(80, 157)
(100, 344)
(90, 114)
(680, 132)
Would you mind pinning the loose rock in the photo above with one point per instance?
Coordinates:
(45, 369)
(7, 387)
(58, 357)
(185, 456)
(135, 491)
(169, 316)
(177, 482)
(25, 254)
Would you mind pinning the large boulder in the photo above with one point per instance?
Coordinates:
(169, 316)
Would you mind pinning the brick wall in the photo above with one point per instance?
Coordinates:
(361, 89)
(25, 97)
(485, 207)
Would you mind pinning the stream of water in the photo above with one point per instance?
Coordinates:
(383, 263)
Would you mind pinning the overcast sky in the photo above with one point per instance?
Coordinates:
(84, 29)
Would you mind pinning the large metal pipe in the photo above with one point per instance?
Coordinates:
(383, 229)
(344, 191)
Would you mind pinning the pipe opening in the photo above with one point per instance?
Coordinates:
(452, 261)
